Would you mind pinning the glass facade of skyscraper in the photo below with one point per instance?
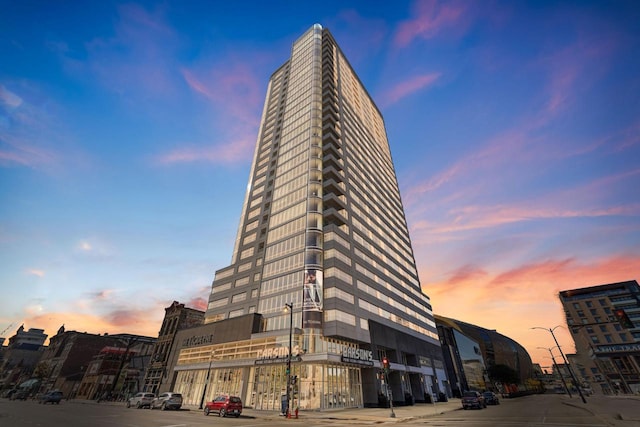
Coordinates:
(322, 229)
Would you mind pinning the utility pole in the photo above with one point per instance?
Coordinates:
(566, 361)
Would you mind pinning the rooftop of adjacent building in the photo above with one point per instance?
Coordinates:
(625, 286)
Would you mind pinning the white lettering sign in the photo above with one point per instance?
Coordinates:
(278, 352)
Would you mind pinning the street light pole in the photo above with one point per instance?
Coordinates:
(206, 381)
(555, 365)
(289, 307)
(566, 361)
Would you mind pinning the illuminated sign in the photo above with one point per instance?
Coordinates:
(357, 356)
(277, 355)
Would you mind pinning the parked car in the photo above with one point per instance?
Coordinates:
(224, 405)
(141, 400)
(9, 393)
(490, 398)
(54, 396)
(21, 394)
(167, 400)
(473, 399)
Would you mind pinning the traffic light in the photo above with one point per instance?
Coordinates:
(385, 364)
(623, 319)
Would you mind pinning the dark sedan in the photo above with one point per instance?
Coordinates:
(52, 397)
(473, 399)
(490, 398)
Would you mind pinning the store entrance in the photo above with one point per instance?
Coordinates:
(316, 386)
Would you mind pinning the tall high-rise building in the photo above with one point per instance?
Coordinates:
(323, 231)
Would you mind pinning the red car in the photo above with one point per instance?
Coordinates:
(224, 405)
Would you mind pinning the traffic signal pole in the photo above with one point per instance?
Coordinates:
(385, 370)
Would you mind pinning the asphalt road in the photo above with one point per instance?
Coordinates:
(547, 410)
(530, 411)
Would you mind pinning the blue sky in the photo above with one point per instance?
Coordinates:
(127, 131)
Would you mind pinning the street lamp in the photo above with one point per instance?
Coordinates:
(206, 381)
(565, 360)
(555, 366)
(289, 308)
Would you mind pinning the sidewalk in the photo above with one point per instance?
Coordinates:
(402, 413)
(622, 410)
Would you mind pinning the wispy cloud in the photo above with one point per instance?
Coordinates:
(235, 96)
(35, 272)
(408, 87)
(223, 154)
(233, 87)
(9, 98)
(430, 18)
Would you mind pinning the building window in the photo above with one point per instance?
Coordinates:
(241, 282)
(608, 338)
(239, 297)
(589, 304)
(576, 306)
(218, 303)
(594, 339)
(593, 311)
(580, 313)
(236, 313)
(603, 302)
(623, 337)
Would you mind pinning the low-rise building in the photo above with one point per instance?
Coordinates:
(604, 321)
(21, 356)
(177, 317)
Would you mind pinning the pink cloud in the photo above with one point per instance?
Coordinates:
(25, 151)
(145, 323)
(524, 297)
(232, 152)
(235, 96)
(474, 217)
(431, 17)
(198, 303)
(408, 87)
(236, 89)
(35, 272)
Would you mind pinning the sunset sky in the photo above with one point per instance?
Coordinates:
(127, 131)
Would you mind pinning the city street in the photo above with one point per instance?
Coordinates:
(539, 410)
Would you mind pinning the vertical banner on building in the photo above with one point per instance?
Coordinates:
(312, 299)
